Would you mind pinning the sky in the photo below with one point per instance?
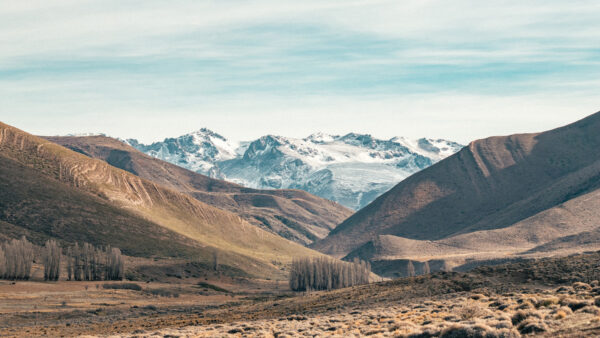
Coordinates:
(460, 70)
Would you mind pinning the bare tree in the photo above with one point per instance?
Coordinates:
(115, 267)
(87, 262)
(51, 255)
(410, 269)
(446, 266)
(70, 264)
(215, 261)
(426, 269)
(2, 263)
(18, 258)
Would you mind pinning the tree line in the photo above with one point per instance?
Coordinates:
(87, 262)
(425, 269)
(84, 262)
(326, 273)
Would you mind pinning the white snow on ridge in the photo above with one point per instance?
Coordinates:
(352, 169)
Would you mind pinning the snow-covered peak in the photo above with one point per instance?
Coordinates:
(360, 140)
(85, 134)
(320, 138)
(206, 138)
(352, 169)
(435, 149)
(206, 134)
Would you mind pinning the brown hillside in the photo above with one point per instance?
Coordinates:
(293, 214)
(201, 224)
(491, 184)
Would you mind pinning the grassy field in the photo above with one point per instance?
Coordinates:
(551, 297)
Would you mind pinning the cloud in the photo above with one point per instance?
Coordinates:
(94, 61)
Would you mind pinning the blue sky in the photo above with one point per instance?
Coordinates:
(151, 69)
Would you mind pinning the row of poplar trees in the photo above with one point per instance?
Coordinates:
(84, 262)
(16, 258)
(325, 273)
(87, 262)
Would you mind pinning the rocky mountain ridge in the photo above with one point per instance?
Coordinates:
(351, 169)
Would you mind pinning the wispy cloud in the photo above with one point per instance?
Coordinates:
(65, 62)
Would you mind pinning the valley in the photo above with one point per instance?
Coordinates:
(546, 297)
(499, 240)
(282, 169)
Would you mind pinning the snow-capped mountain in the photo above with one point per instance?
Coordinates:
(200, 151)
(352, 169)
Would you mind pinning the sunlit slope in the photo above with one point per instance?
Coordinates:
(170, 209)
(477, 195)
(293, 214)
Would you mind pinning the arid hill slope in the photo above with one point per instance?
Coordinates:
(293, 214)
(498, 194)
(178, 214)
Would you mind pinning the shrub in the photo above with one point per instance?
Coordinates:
(470, 310)
(532, 326)
(122, 286)
(580, 286)
(546, 302)
(163, 293)
(522, 315)
(477, 330)
(560, 314)
(213, 287)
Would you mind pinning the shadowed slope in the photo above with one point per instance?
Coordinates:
(491, 184)
(200, 223)
(293, 214)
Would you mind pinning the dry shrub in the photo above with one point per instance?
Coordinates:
(532, 326)
(470, 310)
(503, 324)
(565, 289)
(123, 286)
(477, 296)
(477, 330)
(574, 304)
(163, 292)
(590, 309)
(546, 302)
(560, 314)
(564, 309)
(521, 315)
(580, 286)
(525, 306)
(402, 326)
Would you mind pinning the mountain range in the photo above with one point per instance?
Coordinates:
(352, 169)
(498, 198)
(292, 214)
(49, 191)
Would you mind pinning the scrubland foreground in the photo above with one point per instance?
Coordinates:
(547, 297)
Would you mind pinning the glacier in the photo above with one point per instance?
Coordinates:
(351, 169)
